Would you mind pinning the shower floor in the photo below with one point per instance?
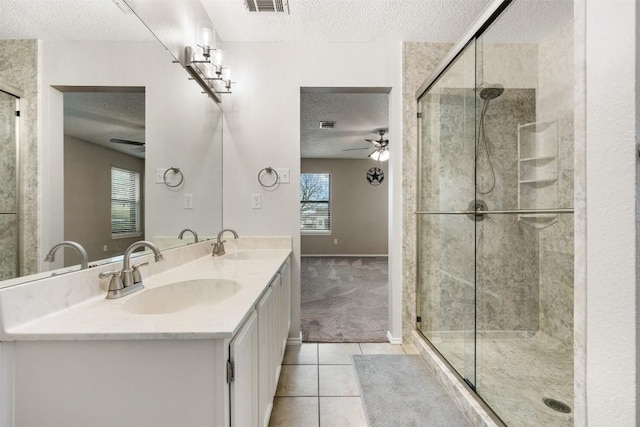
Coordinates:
(515, 371)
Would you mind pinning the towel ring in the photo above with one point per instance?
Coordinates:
(175, 171)
(268, 170)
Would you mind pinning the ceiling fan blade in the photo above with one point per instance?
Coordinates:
(374, 142)
(126, 141)
(353, 149)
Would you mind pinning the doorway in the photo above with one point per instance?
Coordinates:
(104, 169)
(344, 200)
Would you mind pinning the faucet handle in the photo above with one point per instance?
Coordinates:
(137, 277)
(115, 284)
(218, 248)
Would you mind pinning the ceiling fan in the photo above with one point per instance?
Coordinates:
(381, 152)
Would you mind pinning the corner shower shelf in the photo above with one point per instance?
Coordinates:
(542, 159)
(538, 171)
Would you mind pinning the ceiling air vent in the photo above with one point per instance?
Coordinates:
(326, 124)
(268, 5)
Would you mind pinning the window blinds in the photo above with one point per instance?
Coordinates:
(125, 201)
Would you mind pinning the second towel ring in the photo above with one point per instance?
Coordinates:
(175, 171)
(270, 171)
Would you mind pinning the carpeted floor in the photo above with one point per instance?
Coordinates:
(399, 390)
(344, 299)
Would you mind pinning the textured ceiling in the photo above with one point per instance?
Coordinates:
(358, 116)
(360, 21)
(69, 20)
(98, 117)
(309, 21)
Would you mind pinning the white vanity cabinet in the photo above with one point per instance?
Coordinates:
(242, 374)
(273, 329)
(183, 379)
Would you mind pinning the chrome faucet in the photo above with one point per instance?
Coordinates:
(190, 230)
(129, 279)
(84, 258)
(218, 247)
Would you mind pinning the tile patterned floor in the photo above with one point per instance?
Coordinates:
(318, 386)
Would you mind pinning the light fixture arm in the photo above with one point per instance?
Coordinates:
(200, 71)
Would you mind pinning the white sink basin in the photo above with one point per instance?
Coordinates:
(181, 295)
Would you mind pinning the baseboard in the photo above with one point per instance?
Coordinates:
(343, 255)
(393, 340)
(295, 341)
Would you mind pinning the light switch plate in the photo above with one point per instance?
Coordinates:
(256, 202)
(160, 175)
(283, 175)
(188, 201)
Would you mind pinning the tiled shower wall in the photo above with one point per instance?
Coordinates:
(19, 69)
(419, 61)
(556, 101)
(525, 275)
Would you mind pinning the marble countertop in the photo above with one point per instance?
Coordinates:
(99, 319)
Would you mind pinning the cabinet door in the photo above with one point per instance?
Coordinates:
(286, 297)
(243, 353)
(274, 339)
(265, 312)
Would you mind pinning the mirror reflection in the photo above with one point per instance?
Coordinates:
(104, 146)
(98, 103)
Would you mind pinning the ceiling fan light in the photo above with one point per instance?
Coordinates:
(383, 156)
(375, 155)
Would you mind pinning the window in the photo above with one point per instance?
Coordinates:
(315, 206)
(125, 202)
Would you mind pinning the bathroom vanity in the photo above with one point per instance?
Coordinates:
(200, 346)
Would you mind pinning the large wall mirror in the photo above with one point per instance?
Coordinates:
(97, 92)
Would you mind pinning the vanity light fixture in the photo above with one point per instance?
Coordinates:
(205, 65)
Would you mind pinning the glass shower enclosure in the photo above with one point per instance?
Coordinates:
(9, 196)
(495, 213)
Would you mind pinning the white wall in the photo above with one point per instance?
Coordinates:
(262, 128)
(611, 163)
(359, 214)
(181, 125)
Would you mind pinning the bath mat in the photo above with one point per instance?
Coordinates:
(399, 390)
(344, 299)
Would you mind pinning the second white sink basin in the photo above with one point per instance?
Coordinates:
(181, 295)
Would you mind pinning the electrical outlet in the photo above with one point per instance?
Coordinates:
(256, 203)
(335, 241)
(283, 175)
(188, 201)
(160, 175)
(104, 248)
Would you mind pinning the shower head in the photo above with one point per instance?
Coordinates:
(490, 92)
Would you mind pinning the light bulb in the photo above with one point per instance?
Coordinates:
(375, 155)
(384, 156)
(217, 59)
(206, 35)
(226, 73)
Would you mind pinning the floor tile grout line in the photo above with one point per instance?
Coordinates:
(318, 370)
(341, 395)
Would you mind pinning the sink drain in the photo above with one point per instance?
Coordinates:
(556, 405)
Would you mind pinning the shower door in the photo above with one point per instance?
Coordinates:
(9, 242)
(446, 240)
(495, 216)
